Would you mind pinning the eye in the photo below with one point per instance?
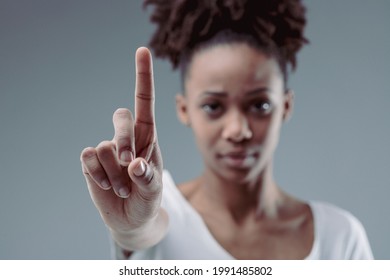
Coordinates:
(261, 107)
(212, 109)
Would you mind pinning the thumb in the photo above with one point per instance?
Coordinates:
(145, 176)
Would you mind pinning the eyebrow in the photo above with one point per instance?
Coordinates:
(215, 93)
(260, 90)
(256, 91)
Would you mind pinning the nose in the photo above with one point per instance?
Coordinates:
(237, 128)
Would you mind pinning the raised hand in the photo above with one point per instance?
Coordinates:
(124, 175)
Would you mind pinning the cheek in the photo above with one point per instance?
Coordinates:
(268, 132)
(205, 131)
(206, 134)
(266, 129)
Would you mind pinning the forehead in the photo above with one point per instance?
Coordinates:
(232, 66)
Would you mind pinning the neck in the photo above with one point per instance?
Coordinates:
(259, 196)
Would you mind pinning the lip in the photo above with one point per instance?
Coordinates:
(238, 159)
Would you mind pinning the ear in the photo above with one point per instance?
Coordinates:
(288, 104)
(182, 109)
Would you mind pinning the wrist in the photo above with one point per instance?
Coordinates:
(144, 237)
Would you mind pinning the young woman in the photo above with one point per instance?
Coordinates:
(234, 57)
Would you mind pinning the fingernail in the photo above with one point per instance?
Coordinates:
(105, 184)
(139, 170)
(124, 192)
(126, 156)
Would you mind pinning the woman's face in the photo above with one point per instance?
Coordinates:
(235, 103)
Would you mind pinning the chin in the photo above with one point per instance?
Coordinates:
(236, 175)
(241, 174)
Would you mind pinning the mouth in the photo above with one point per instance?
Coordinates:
(238, 159)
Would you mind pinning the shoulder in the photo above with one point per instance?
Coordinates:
(339, 233)
(340, 218)
(171, 194)
(174, 200)
(186, 189)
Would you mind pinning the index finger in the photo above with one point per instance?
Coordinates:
(144, 88)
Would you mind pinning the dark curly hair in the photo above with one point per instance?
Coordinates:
(184, 26)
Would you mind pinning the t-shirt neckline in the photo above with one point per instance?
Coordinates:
(200, 221)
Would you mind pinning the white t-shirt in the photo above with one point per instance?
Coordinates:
(338, 234)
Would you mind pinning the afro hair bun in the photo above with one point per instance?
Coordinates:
(184, 24)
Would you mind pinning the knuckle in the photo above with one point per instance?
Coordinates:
(145, 77)
(123, 132)
(105, 151)
(144, 73)
(95, 171)
(145, 95)
(123, 144)
(117, 179)
(121, 113)
(104, 146)
(99, 177)
(87, 153)
(145, 122)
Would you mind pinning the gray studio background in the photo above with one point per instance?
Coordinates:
(65, 66)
